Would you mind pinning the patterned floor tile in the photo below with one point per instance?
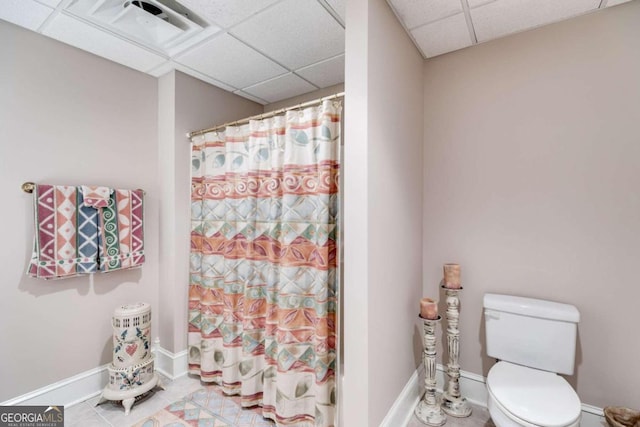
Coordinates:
(82, 415)
(114, 413)
(187, 395)
(206, 407)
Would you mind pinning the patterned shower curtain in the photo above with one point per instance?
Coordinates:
(263, 273)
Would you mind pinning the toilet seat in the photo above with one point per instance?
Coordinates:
(536, 397)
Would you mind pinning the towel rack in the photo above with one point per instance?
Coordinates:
(28, 187)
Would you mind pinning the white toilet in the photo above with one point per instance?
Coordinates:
(534, 341)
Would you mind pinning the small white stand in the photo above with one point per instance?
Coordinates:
(428, 410)
(452, 402)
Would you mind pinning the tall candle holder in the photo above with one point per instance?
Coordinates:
(428, 410)
(452, 402)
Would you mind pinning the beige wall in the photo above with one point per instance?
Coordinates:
(187, 104)
(355, 390)
(67, 117)
(168, 276)
(532, 165)
(383, 210)
(70, 117)
(395, 207)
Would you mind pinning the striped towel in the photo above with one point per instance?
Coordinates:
(97, 197)
(73, 238)
(121, 235)
(66, 237)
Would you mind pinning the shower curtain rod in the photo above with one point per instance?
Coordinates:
(266, 115)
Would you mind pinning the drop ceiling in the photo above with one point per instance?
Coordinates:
(264, 50)
(442, 26)
(269, 50)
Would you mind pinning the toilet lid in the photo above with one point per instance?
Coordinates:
(538, 397)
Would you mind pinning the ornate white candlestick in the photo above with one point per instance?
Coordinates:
(428, 410)
(452, 402)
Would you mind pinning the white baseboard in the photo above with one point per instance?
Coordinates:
(67, 392)
(402, 409)
(472, 386)
(592, 416)
(88, 384)
(171, 365)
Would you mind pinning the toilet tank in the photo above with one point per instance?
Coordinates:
(531, 332)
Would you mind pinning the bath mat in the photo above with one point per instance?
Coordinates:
(207, 407)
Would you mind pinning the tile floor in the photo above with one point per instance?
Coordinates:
(479, 418)
(86, 414)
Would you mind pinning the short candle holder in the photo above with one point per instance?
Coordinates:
(428, 410)
(452, 402)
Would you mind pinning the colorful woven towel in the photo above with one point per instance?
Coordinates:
(97, 197)
(121, 235)
(72, 238)
(66, 237)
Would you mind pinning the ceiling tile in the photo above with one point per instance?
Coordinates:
(295, 33)
(193, 40)
(280, 88)
(168, 66)
(25, 13)
(326, 73)
(51, 3)
(84, 36)
(251, 97)
(616, 2)
(226, 13)
(476, 3)
(504, 17)
(340, 7)
(418, 12)
(230, 61)
(203, 77)
(443, 36)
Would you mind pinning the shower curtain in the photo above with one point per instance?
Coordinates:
(263, 270)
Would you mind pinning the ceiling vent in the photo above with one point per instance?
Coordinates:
(162, 25)
(148, 7)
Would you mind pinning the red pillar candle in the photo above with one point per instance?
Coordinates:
(452, 276)
(428, 308)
